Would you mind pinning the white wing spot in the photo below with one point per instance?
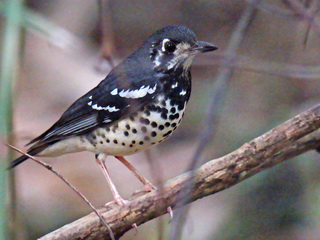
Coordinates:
(183, 92)
(108, 108)
(174, 85)
(138, 93)
(90, 97)
(152, 90)
(90, 103)
(114, 91)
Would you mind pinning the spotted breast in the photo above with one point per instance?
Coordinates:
(151, 125)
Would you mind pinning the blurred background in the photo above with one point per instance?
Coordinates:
(54, 51)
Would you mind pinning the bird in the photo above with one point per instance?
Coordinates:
(138, 105)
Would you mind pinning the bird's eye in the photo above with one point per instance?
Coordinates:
(169, 46)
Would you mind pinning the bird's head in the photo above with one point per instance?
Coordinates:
(173, 47)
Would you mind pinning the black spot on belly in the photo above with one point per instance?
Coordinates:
(103, 135)
(167, 134)
(127, 126)
(123, 144)
(159, 109)
(144, 129)
(132, 118)
(154, 124)
(144, 121)
(115, 141)
(167, 124)
(133, 141)
(141, 142)
(134, 130)
(107, 140)
(163, 103)
(175, 116)
(101, 142)
(146, 138)
(173, 125)
(126, 133)
(164, 110)
(161, 127)
(153, 134)
(180, 107)
(130, 145)
(152, 108)
(164, 116)
(173, 110)
(147, 112)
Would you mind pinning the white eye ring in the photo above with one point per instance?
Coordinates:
(164, 43)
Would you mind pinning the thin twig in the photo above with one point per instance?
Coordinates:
(107, 47)
(272, 9)
(304, 13)
(50, 168)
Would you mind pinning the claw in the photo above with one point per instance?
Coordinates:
(118, 201)
(136, 228)
(170, 211)
(147, 188)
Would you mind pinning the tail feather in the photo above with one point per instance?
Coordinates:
(35, 149)
(17, 161)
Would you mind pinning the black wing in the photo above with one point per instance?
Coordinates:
(122, 93)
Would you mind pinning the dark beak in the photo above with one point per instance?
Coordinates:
(204, 47)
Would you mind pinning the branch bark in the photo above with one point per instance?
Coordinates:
(286, 141)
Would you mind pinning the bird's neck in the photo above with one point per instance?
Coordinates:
(177, 85)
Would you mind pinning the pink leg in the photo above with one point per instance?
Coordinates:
(117, 198)
(148, 186)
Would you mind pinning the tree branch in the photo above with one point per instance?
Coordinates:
(288, 140)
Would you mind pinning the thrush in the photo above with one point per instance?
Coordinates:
(138, 105)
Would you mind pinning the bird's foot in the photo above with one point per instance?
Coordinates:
(118, 201)
(135, 228)
(147, 188)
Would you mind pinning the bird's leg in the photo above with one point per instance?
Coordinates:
(148, 186)
(117, 198)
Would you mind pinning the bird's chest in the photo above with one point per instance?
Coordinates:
(147, 127)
